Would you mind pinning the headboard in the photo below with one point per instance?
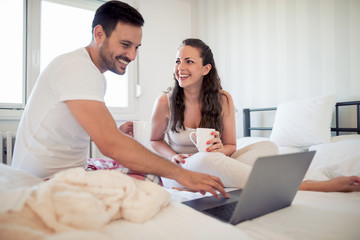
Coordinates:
(337, 129)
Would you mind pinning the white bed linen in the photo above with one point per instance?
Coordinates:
(245, 141)
(313, 215)
(17, 184)
(341, 157)
(172, 222)
(177, 221)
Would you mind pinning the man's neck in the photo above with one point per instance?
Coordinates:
(94, 56)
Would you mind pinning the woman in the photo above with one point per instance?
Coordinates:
(197, 100)
(200, 102)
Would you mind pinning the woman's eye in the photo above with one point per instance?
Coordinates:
(189, 61)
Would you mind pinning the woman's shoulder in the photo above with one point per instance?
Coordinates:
(163, 98)
(161, 108)
(228, 102)
(162, 101)
(226, 94)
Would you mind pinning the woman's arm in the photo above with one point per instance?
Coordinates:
(160, 119)
(338, 184)
(159, 122)
(226, 143)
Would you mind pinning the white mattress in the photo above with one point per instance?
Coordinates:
(313, 215)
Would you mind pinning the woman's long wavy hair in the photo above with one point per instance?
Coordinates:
(211, 96)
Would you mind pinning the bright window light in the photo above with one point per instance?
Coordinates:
(64, 29)
(11, 47)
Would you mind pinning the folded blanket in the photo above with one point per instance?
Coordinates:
(79, 199)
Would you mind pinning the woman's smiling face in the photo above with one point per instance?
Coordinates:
(189, 69)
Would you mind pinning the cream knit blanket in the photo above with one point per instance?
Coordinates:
(76, 199)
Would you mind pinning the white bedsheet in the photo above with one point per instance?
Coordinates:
(313, 215)
(177, 221)
(245, 141)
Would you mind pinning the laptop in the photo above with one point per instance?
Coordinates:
(272, 185)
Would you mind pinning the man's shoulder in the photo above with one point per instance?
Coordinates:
(75, 55)
(75, 60)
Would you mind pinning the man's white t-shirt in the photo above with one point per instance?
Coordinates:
(49, 139)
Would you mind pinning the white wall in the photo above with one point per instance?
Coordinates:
(272, 51)
(167, 23)
(266, 51)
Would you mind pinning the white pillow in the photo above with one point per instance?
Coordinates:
(341, 157)
(303, 123)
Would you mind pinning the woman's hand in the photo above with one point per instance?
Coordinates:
(215, 143)
(127, 128)
(179, 158)
(344, 184)
(338, 184)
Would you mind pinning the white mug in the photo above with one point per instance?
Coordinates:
(142, 132)
(203, 135)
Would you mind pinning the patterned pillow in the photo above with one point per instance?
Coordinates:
(94, 164)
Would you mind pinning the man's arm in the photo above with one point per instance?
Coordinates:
(97, 121)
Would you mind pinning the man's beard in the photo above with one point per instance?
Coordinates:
(110, 62)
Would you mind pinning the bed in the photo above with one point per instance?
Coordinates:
(148, 211)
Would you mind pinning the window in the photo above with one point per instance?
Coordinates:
(54, 27)
(12, 51)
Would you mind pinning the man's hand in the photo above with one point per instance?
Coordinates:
(200, 182)
(127, 128)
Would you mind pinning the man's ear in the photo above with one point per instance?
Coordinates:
(207, 69)
(99, 34)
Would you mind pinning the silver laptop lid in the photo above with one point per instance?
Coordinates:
(272, 185)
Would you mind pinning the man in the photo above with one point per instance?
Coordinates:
(67, 108)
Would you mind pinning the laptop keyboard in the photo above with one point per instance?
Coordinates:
(223, 212)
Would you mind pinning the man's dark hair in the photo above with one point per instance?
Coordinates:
(112, 12)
